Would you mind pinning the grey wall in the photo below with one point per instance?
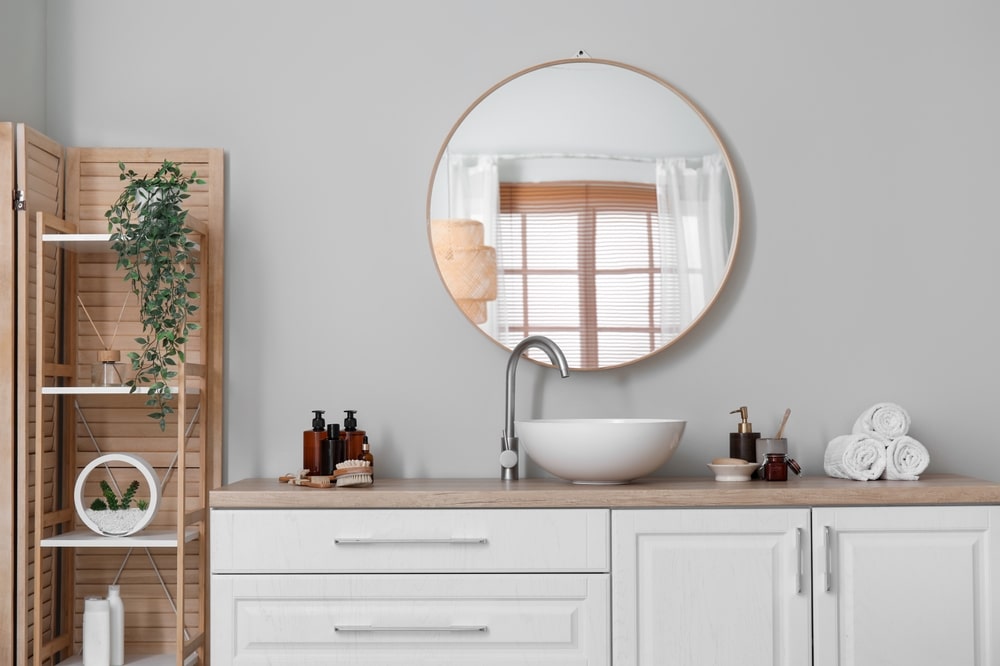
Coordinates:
(22, 62)
(864, 133)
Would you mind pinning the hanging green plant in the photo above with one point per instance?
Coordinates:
(150, 235)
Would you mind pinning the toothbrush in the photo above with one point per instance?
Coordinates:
(784, 420)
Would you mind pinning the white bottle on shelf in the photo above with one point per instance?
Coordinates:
(96, 632)
(117, 624)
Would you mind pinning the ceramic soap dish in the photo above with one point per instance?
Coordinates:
(730, 472)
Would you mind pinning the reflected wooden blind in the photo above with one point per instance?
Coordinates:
(582, 262)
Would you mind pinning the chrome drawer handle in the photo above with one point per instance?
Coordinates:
(453, 541)
(799, 574)
(366, 628)
(828, 546)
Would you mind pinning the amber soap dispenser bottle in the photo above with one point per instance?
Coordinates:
(743, 442)
(313, 444)
(352, 436)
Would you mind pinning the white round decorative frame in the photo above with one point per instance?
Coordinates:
(147, 471)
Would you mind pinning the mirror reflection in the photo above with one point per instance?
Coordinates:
(587, 201)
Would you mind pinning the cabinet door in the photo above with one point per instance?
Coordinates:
(700, 586)
(405, 619)
(906, 585)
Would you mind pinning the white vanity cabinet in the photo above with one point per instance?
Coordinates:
(411, 586)
(711, 586)
(906, 585)
(662, 572)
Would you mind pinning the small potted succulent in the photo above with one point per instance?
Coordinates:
(150, 235)
(114, 515)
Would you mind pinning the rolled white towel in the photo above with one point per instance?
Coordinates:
(905, 459)
(884, 419)
(857, 456)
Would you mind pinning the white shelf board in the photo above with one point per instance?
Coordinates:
(84, 538)
(85, 242)
(140, 660)
(80, 242)
(105, 390)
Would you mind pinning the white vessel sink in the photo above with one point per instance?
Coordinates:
(600, 450)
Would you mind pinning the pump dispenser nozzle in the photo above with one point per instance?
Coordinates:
(744, 425)
(319, 424)
(350, 423)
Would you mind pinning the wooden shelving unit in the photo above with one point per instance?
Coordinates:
(172, 552)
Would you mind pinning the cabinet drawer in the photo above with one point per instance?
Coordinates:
(411, 541)
(555, 619)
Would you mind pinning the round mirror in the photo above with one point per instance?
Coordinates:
(587, 201)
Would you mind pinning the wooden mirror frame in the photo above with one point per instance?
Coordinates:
(676, 99)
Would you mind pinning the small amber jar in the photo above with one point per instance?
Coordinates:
(775, 467)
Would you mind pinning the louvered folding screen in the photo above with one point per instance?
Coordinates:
(8, 395)
(39, 178)
(79, 184)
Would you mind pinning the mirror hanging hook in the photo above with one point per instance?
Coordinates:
(582, 54)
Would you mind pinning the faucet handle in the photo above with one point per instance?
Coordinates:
(508, 458)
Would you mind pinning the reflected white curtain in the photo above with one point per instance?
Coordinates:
(473, 194)
(691, 198)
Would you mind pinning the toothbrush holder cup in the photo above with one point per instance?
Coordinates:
(767, 445)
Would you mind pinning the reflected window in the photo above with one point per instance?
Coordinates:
(589, 265)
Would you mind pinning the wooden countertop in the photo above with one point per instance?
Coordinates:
(654, 492)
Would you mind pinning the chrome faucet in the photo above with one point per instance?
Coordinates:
(508, 442)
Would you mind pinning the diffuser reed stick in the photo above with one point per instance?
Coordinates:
(118, 322)
(106, 373)
(87, 312)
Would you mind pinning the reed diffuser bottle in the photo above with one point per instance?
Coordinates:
(109, 370)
